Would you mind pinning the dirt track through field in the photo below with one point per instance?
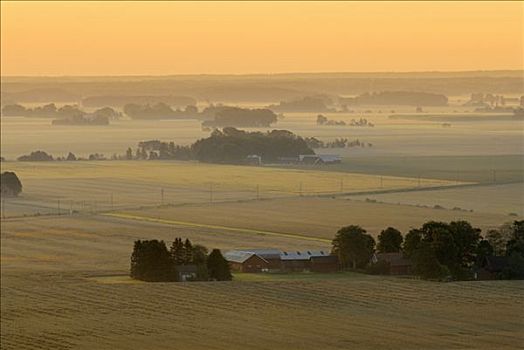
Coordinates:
(218, 227)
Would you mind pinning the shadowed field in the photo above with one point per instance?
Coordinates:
(66, 311)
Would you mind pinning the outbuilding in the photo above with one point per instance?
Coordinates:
(244, 261)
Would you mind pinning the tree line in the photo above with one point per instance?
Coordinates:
(229, 145)
(436, 250)
(152, 261)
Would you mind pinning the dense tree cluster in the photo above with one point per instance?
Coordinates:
(305, 104)
(233, 146)
(342, 142)
(242, 117)
(67, 114)
(10, 184)
(151, 261)
(436, 250)
(122, 100)
(36, 156)
(158, 111)
(353, 246)
(401, 98)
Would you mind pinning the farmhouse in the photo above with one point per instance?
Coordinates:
(398, 264)
(273, 260)
(245, 261)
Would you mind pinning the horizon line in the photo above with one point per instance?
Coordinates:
(259, 74)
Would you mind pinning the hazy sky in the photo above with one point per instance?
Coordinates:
(97, 38)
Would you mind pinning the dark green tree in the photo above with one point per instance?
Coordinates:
(150, 261)
(177, 252)
(426, 263)
(10, 184)
(71, 157)
(389, 241)
(188, 252)
(353, 246)
(218, 267)
(484, 249)
(412, 242)
(129, 154)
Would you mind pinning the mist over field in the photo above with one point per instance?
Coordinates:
(262, 174)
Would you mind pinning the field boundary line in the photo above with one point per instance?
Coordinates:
(211, 226)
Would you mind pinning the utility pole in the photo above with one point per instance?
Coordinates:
(211, 192)
(341, 185)
(494, 176)
(258, 192)
(3, 208)
(162, 196)
(418, 184)
(59, 207)
(112, 206)
(300, 189)
(381, 182)
(71, 207)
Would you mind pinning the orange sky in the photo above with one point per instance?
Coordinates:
(95, 38)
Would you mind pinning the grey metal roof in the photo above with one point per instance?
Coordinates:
(302, 254)
(265, 253)
(238, 255)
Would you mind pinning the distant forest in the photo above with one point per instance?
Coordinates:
(257, 88)
(213, 116)
(229, 146)
(65, 115)
(121, 100)
(401, 98)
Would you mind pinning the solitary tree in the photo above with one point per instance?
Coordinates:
(71, 156)
(10, 184)
(353, 246)
(218, 267)
(389, 241)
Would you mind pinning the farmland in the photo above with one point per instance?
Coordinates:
(49, 310)
(93, 186)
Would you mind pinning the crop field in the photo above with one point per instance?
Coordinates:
(501, 199)
(485, 169)
(49, 310)
(62, 187)
(310, 217)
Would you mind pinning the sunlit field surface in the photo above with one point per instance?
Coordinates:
(62, 187)
(55, 270)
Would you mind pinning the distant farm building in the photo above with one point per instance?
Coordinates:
(273, 260)
(315, 159)
(398, 264)
(254, 159)
(186, 273)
